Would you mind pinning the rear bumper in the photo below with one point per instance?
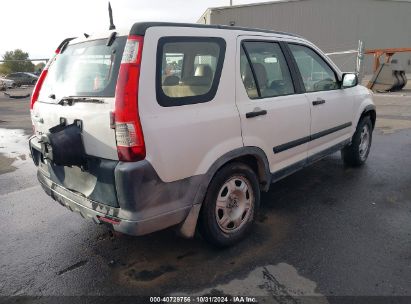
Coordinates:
(145, 203)
(95, 211)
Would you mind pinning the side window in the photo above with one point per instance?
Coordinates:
(316, 73)
(269, 68)
(188, 69)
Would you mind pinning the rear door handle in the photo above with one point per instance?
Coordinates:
(255, 113)
(318, 102)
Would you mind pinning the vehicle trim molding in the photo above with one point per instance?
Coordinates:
(304, 140)
(282, 173)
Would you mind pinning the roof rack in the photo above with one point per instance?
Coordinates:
(140, 28)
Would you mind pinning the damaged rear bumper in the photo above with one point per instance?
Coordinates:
(95, 211)
(129, 196)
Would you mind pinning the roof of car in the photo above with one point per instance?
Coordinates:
(140, 28)
(31, 74)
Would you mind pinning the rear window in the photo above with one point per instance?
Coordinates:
(88, 69)
(188, 69)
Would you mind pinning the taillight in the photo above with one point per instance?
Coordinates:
(37, 88)
(129, 134)
(39, 83)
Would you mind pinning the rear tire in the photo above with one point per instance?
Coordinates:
(230, 205)
(355, 154)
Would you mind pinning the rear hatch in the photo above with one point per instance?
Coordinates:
(80, 85)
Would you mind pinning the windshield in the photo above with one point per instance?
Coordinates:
(88, 69)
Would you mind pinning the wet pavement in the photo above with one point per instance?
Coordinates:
(324, 231)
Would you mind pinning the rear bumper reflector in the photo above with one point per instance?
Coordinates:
(109, 220)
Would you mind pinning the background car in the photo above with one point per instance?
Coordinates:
(23, 78)
(8, 83)
(3, 85)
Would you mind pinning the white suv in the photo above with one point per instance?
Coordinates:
(173, 124)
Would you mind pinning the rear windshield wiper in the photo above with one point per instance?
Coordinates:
(71, 100)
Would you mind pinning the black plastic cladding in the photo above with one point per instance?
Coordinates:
(140, 28)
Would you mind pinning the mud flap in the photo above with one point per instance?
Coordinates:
(187, 228)
(63, 145)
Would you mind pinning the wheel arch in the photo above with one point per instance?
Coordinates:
(371, 112)
(367, 108)
(252, 156)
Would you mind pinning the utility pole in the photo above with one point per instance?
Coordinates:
(360, 59)
(231, 2)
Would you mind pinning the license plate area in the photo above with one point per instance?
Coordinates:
(63, 145)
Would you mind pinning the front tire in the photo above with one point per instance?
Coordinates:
(230, 205)
(355, 154)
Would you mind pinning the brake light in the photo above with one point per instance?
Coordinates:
(109, 220)
(39, 83)
(129, 134)
(37, 88)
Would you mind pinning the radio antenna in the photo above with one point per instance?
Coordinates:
(110, 14)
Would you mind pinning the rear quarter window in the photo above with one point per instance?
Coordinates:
(188, 69)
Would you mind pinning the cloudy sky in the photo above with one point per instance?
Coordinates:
(38, 26)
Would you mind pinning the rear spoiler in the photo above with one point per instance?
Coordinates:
(63, 45)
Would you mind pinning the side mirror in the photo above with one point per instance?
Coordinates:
(349, 80)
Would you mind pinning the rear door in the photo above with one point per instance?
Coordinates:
(186, 99)
(331, 106)
(274, 112)
(87, 68)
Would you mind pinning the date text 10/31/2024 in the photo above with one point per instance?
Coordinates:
(204, 299)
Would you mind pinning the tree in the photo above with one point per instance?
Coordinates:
(17, 61)
(4, 70)
(39, 67)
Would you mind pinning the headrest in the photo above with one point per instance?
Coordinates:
(171, 81)
(203, 70)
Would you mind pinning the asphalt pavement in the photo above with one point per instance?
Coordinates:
(328, 232)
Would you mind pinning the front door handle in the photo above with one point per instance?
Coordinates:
(255, 113)
(318, 102)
